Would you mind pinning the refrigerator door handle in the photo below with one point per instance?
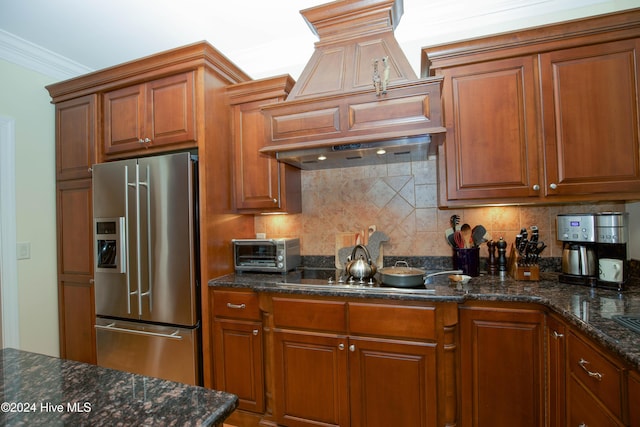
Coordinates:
(125, 233)
(147, 184)
(113, 327)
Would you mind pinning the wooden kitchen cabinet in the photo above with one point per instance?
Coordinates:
(556, 340)
(74, 215)
(491, 149)
(634, 398)
(261, 183)
(502, 366)
(238, 347)
(595, 391)
(590, 104)
(76, 124)
(150, 117)
(544, 115)
(348, 363)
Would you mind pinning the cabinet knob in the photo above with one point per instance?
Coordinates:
(553, 186)
(582, 425)
(275, 200)
(536, 187)
(352, 347)
(255, 332)
(141, 141)
(147, 140)
(341, 346)
(91, 281)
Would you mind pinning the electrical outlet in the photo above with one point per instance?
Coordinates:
(23, 250)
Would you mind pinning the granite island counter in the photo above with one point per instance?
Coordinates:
(590, 310)
(40, 390)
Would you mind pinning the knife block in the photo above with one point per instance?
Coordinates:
(521, 272)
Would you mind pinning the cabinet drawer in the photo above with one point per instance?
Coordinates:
(309, 314)
(584, 410)
(598, 374)
(238, 305)
(392, 320)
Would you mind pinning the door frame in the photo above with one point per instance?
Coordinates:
(8, 260)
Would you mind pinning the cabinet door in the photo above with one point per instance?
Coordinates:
(491, 148)
(502, 368)
(634, 398)
(170, 110)
(392, 383)
(124, 119)
(257, 175)
(75, 137)
(584, 409)
(590, 104)
(556, 371)
(310, 375)
(239, 361)
(77, 317)
(75, 270)
(148, 117)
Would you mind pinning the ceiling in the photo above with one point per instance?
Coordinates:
(263, 37)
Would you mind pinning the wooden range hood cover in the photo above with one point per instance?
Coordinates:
(335, 102)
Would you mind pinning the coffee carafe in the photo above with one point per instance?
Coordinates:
(579, 257)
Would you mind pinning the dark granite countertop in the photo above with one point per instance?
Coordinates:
(40, 390)
(589, 310)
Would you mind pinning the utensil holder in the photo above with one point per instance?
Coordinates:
(467, 260)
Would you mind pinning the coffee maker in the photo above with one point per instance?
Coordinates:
(612, 237)
(595, 249)
(579, 259)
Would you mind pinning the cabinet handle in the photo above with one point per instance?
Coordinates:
(238, 306)
(583, 364)
(341, 346)
(582, 425)
(536, 187)
(255, 332)
(141, 141)
(556, 335)
(92, 281)
(352, 347)
(147, 140)
(553, 186)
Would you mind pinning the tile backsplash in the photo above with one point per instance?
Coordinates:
(401, 201)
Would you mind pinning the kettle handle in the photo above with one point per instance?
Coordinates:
(366, 252)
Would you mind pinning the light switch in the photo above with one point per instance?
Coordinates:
(23, 250)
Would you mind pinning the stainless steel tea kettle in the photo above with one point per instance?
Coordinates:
(360, 268)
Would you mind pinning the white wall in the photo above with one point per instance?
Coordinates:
(24, 98)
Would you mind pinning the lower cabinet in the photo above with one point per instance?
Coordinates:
(556, 333)
(502, 366)
(634, 398)
(327, 374)
(238, 348)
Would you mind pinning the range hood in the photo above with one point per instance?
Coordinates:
(357, 94)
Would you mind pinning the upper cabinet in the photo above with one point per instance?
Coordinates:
(261, 183)
(543, 115)
(150, 116)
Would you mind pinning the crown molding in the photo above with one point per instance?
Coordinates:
(29, 55)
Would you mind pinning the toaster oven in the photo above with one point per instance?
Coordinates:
(266, 255)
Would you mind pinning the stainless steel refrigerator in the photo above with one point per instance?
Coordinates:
(146, 269)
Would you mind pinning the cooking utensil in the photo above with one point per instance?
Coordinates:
(457, 237)
(479, 235)
(402, 276)
(465, 231)
(448, 233)
(360, 268)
